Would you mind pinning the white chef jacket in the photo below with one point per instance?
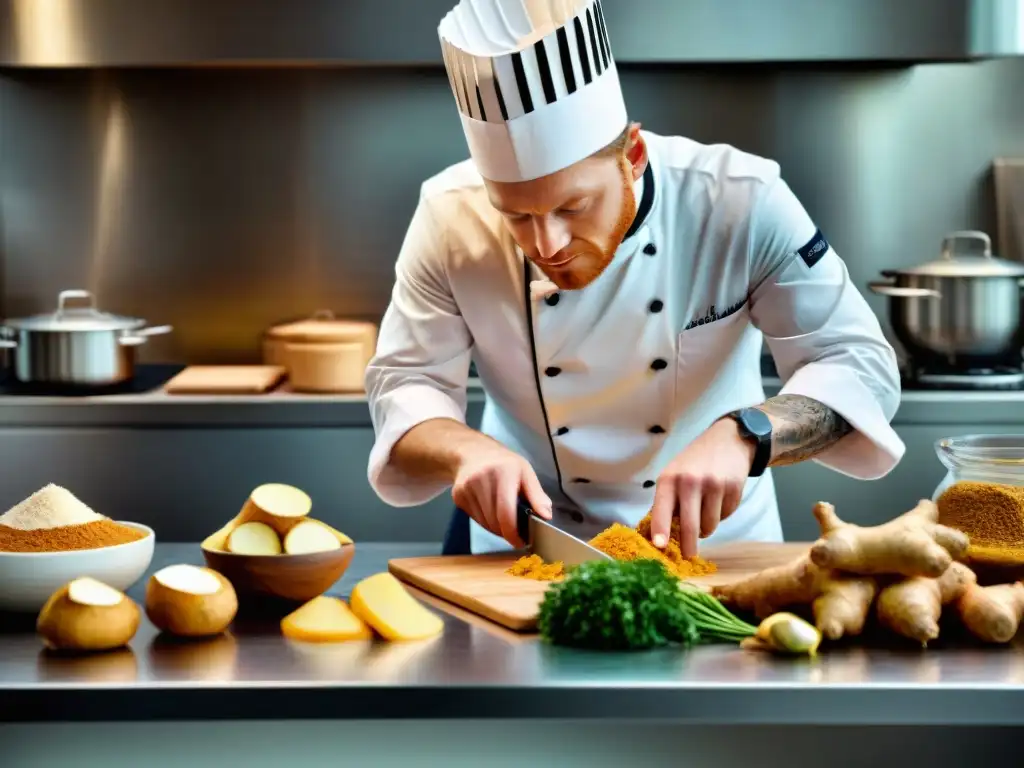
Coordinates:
(601, 387)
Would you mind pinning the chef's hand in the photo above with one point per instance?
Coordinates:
(488, 483)
(702, 486)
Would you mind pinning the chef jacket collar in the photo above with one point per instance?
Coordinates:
(644, 190)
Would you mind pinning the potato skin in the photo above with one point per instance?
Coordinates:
(188, 615)
(65, 625)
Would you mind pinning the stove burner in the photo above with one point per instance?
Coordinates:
(148, 377)
(981, 378)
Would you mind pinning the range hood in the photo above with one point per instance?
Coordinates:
(126, 33)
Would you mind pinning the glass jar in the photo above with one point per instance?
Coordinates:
(982, 458)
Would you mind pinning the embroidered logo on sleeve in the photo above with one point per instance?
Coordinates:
(814, 250)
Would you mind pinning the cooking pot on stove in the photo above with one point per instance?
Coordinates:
(962, 310)
(76, 345)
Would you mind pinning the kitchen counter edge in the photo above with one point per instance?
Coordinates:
(285, 409)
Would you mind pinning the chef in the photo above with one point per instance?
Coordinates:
(614, 288)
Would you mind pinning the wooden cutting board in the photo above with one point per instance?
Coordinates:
(479, 583)
(225, 380)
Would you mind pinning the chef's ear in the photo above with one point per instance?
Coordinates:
(636, 151)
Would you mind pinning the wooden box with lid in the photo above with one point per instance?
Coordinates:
(322, 353)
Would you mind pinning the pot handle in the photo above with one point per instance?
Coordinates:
(896, 292)
(973, 235)
(156, 330)
(75, 293)
(135, 338)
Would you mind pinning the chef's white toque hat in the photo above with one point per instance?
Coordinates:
(535, 83)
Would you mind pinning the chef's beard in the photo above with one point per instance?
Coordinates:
(590, 257)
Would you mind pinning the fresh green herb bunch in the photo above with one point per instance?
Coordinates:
(632, 605)
(715, 623)
(615, 605)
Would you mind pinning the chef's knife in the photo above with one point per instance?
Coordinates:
(551, 543)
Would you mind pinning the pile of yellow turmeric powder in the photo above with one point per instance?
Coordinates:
(623, 543)
(533, 567)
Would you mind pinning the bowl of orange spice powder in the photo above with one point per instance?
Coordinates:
(52, 537)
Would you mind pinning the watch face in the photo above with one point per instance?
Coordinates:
(757, 422)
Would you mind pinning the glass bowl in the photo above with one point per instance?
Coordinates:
(997, 459)
(984, 458)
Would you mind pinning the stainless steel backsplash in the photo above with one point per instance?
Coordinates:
(225, 200)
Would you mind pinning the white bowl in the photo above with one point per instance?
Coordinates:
(27, 579)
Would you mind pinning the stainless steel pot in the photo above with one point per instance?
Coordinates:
(76, 345)
(962, 310)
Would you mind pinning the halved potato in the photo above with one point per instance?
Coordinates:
(88, 615)
(278, 505)
(310, 536)
(254, 539)
(190, 601)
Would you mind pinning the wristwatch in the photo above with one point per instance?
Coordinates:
(754, 425)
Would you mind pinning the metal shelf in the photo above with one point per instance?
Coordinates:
(159, 33)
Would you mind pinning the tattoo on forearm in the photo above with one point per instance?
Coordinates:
(803, 428)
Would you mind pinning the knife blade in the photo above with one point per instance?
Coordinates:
(551, 543)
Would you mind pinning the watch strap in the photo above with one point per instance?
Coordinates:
(754, 425)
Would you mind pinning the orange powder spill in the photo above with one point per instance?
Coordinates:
(622, 543)
(532, 567)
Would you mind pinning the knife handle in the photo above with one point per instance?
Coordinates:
(523, 512)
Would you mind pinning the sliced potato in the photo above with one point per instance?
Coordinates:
(278, 505)
(340, 536)
(190, 601)
(325, 620)
(88, 615)
(383, 603)
(218, 540)
(310, 536)
(254, 539)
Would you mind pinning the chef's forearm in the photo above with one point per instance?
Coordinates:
(434, 449)
(801, 428)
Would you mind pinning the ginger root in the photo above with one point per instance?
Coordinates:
(912, 607)
(913, 544)
(843, 603)
(771, 590)
(906, 570)
(992, 614)
(840, 603)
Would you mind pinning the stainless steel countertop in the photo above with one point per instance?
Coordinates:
(477, 670)
(280, 408)
(288, 409)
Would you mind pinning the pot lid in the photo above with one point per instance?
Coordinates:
(966, 254)
(323, 327)
(75, 318)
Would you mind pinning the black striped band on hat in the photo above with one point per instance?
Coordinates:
(506, 87)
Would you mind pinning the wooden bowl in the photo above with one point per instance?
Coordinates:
(289, 578)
